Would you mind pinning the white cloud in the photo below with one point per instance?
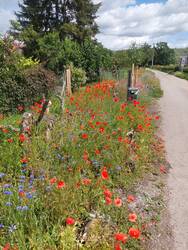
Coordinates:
(5, 16)
(122, 23)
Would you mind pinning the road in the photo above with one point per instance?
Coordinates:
(174, 112)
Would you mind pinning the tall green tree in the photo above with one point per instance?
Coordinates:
(163, 54)
(73, 18)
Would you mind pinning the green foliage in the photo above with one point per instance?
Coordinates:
(78, 77)
(167, 68)
(25, 63)
(163, 54)
(74, 19)
(183, 75)
(21, 80)
(140, 54)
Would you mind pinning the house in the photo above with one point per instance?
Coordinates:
(183, 61)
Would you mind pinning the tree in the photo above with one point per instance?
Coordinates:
(163, 54)
(73, 18)
(85, 15)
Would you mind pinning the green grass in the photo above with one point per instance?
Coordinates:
(13, 120)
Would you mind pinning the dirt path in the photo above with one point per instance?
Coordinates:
(174, 111)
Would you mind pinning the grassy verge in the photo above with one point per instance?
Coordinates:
(174, 70)
(74, 190)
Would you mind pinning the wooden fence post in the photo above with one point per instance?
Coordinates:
(68, 81)
(133, 76)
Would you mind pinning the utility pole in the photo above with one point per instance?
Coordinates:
(153, 55)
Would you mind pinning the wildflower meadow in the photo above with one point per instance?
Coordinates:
(74, 190)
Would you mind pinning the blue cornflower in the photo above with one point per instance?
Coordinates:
(30, 186)
(7, 186)
(2, 175)
(119, 168)
(25, 208)
(8, 204)
(29, 195)
(42, 177)
(32, 176)
(1, 226)
(22, 176)
(21, 181)
(7, 192)
(22, 208)
(23, 171)
(12, 228)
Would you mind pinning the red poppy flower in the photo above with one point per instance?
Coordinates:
(119, 118)
(130, 198)
(134, 233)
(24, 160)
(132, 217)
(53, 180)
(107, 193)
(85, 156)
(60, 184)
(20, 108)
(140, 127)
(118, 202)
(98, 123)
(70, 221)
(84, 136)
(108, 200)
(10, 140)
(101, 130)
(117, 247)
(104, 174)
(163, 170)
(21, 193)
(157, 117)
(22, 138)
(5, 130)
(86, 181)
(6, 247)
(97, 152)
(116, 99)
(121, 237)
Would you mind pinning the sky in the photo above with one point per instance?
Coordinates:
(123, 22)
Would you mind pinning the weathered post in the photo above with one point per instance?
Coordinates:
(68, 81)
(133, 76)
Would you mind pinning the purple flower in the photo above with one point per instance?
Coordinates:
(8, 204)
(22, 208)
(7, 186)
(1, 226)
(2, 175)
(7, 192)
(29, 195)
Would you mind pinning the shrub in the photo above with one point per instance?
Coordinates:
(38, 81)
(18, 88)
(78, 77)
(166, 68)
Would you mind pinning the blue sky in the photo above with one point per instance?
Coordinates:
(122, 22)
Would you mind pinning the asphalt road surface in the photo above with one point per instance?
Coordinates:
(174, 112)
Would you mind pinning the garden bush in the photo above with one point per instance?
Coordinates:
(22, 80)
(78, 77)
